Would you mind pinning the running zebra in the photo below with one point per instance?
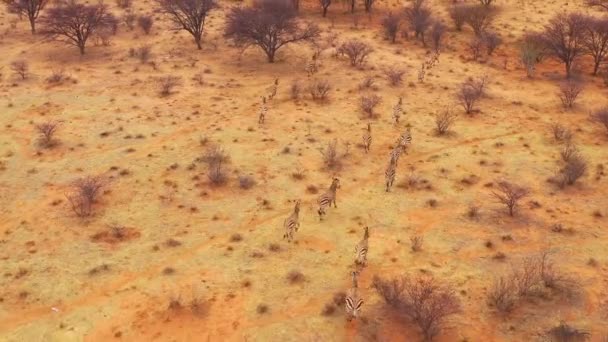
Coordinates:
(273, 89)
(361, 249)
(367, 138)
(263, 111)
(432, 60)
(312, 67)
(398, 110)
(405, 139)
(395, 154)
(292, 223)
(422, 73)
(389, 175)
(329, 197)
(353, 300)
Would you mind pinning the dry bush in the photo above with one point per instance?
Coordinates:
(21, 68)
(368, 103)
(215, 158)
(470, 92)
(492, 41)
(124, 4)
(475, 47)
(166, 84)
(479, 18)
(269, 24)
(58, 76)
(416, 242)
(444, 120)
(369, 82)
(75, 22)
(426, 301)
(332, 157)
(596, 41)
(46, 133)
(561, 133)
(295, 277)
(575, 168)
(129, 20)
(27, 8)
(319, 89)
(246, 182)
(356, 51)
(394, 76)
(390, 24)
(503, 295)
(459, 13)
(531, 53)
(145, 23)
(188, 15)
(437, 33)
(563, 38)
(143, 53)
(510, 194)
(568, 93)
(601, 117)
(566, 333)
(418, 17)
(85, 192)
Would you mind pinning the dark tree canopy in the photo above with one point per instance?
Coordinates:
(28, 8)
(419, 18)
(188, 15)
(269, 24)
(564, 37)
(596, 41)
(75, 23)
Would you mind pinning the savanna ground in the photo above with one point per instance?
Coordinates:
(214, 249)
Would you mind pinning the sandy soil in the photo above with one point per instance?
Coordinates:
(61, 282)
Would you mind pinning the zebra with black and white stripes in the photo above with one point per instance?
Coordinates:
(367, 138)
(273, 89)
(389, 175)
(398, 110)
(405, 139)
(292, 223)
(311, 66)
(328, 197)
(361, 249)
(353, 300)
(395, 154)
(263, 111)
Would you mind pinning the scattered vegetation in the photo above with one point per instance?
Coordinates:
(356, 51)
(569, 92)
(188, 15)
(510, 195)
(85, 192)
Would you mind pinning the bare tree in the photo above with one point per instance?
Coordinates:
(85, 192)
(391, 23)
(324, 6)
(145, 22)
(427, 301)
(419, 19)
(167, 83)
(603, 4)
(601, 117)
(596, 41)
(356, 51)
(444, 120)
(479, 17)
(368, 103)
(564, 38)
(470, 92)
(568, 92)
(459, 14)
(46, 133)
(437, 34)
(269, 24)
(75, 23)
(510, 194)
(27, 8)
(531, 53)
(188, 15)
(475, 46)
(21, 68)
(492, 41)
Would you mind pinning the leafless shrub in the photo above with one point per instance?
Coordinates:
(563, 38)
(437, 33)
(188, 15)
(21, 68)
(596, 41)
(416, 242)
(394, 76)
(167, 84)
(85, 192)
(575, 168)
(470, 92)
(27, 8)
(568, 92)
(479, 17)
(601, 117)
(295, 89)
(510, 194)
(369, 82)
(145, 22)
(419, 18)
(46, 133)
(332, 157)
(124, 4)
(561, 133)
(319, 89)
(475, 47)
(458, 13)
(426, 301)
(566, 333)
(246, 182)
(75, 22)
(368, 103)
(270, 25)
(444, 120)
(492, 41)
(57, 77)
(473, 212)
(143, 53)
(215, 158)
(390, 24)
(356, 51)
(503, 295)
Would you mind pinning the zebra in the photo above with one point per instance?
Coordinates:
(404, 140)
(395, 154)
(422, 73)
(311, 66)
(353, 300)
(361, 249)
(432, 60)
(263, 111)
(398, 110)
(389, 175)
(329, 197)
(273, 89)
(292, 223)
(367, 138)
